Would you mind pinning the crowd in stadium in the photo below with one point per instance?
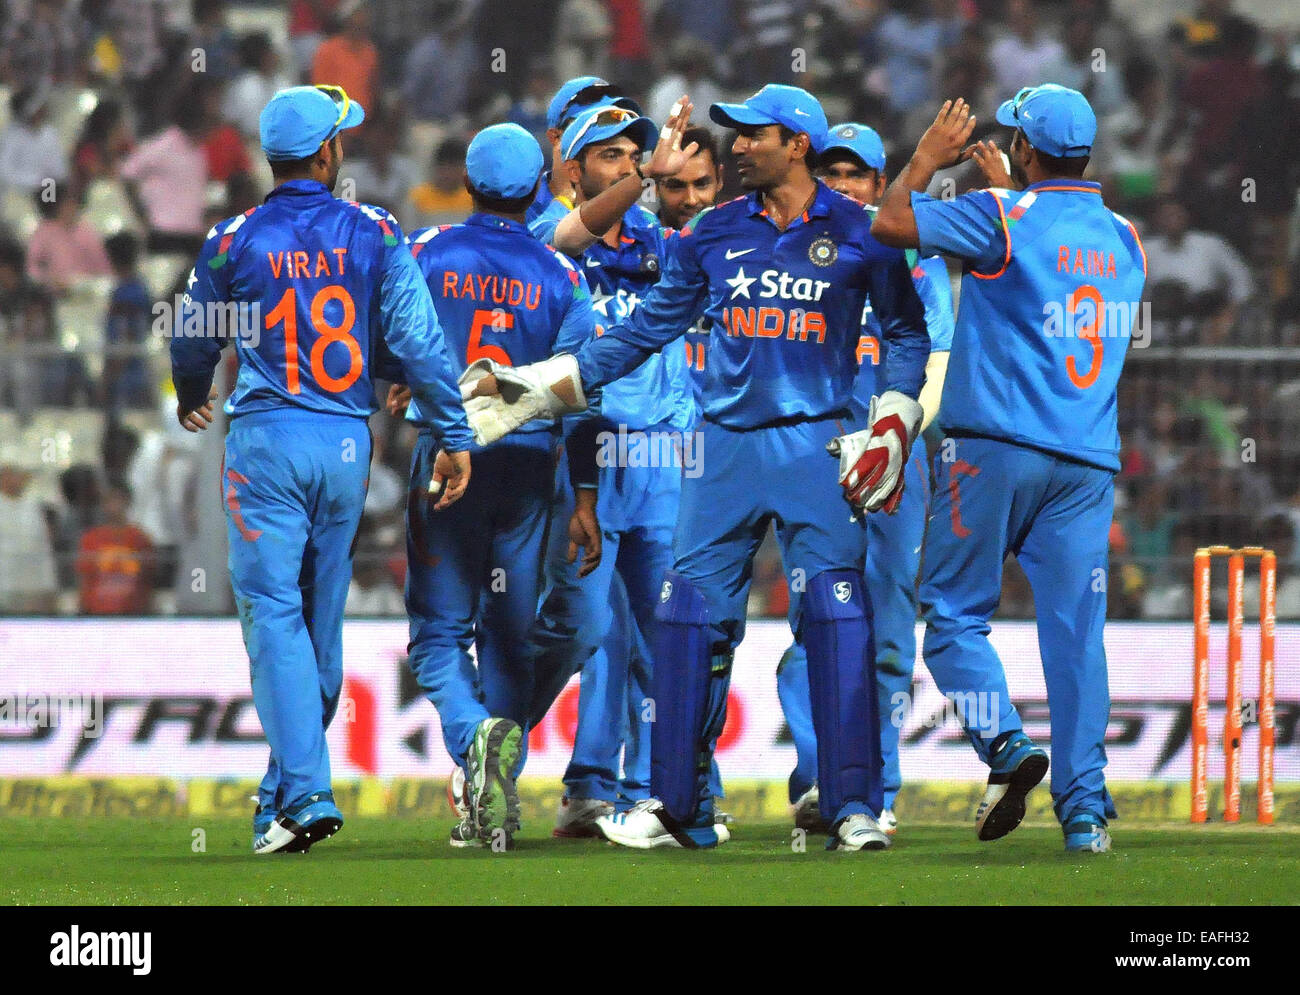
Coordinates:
(128, 127)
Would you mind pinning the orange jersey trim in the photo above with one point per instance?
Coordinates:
(1006, 231)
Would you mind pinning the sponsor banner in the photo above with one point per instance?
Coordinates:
(170, 699)
(747, 801)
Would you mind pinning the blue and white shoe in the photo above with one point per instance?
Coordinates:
(1086, 835)
(858, 832)
(1017, 766)
(294, 830)
(647, 825)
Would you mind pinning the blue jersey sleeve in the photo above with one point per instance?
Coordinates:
(413, 334)
(972, 227)
(901, 315)
(671, 307)
(544, 225)
(930, 276)
(195, 348)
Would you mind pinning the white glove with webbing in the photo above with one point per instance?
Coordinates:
(524, 393)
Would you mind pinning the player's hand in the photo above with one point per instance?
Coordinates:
(450, 478)
(399, 399)
(872, 461)
(944, 140)
(992, 163)
(200, 418)
(584, 532)
(669, 157)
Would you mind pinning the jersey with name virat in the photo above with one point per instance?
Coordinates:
(658, 392)
(325, 297)
(1051, 288)
(502, 295)
(930, 276)
(786, 310)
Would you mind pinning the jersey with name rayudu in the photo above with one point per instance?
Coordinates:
(502, 295)
(319, 295)
(1051, 289)
(786, 311)
(658, 392)
(930, 276)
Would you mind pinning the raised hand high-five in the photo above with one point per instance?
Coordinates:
(943, 142)
(669, 157)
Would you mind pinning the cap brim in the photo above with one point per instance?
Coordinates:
(1007, 114)
(642, 131)
(830, 147)
(355, 115)
(735, 115)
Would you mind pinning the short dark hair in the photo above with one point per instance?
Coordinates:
(451, 152)
(501, 205)
(1057, 165)
(706, 139)
(831, 156)
(13, 254)
(123, 250)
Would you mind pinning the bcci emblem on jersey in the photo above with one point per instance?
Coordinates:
(842, 591)
(823, 251)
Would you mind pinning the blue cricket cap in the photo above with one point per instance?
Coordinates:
(1055, 119)
(582, 89)
(596, 124)
(504, 161)
(797, 109)
(862, 141)
(295, 122)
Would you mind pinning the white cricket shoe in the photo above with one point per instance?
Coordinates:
(888, 821)
(647, 825)
(808, 812)
(859, 832)
(576, 819)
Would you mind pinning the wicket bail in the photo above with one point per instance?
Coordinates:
(1232, 697)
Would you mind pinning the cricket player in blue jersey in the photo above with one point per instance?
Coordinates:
(783, 273)
(474, 571)
(574, 96)
(328, 297)
(581, 625)
(1053, 280)
(853, 163)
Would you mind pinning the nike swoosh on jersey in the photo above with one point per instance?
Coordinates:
(593, 262)
(736, 253)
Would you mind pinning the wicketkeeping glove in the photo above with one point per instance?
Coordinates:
(872, 461)
(525, 394)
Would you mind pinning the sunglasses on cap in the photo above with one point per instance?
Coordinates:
(341, 101)
(610, 115)
(1021, 96)
(589, 94)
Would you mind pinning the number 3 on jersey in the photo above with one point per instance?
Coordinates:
(327, 333)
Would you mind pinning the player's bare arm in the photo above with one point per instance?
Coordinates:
(941, 146)
(584, 531)
(451, 472)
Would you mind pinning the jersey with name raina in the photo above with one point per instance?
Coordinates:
(786, 311)
(319, 295)
(1051, 288)
(501, 294)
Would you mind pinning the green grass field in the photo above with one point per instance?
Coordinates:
(100, 861)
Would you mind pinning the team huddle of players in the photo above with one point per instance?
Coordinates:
(794, 339)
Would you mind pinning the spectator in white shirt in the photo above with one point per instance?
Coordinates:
(253, 88)
(1025, 55)
(31, 152)
(1194, 276)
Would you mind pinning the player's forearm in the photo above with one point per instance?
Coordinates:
(895, 222)
(603, 211)
(194, 361)
(936, 369)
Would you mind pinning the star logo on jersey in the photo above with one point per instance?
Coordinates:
(740, 283)
(823, 251)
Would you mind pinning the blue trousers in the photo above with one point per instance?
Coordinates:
(473, 576)
(893, 561)
(294, 484)
(993, 498)
(780, 476)
(597, 625)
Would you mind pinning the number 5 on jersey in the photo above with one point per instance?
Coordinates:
(484, 319)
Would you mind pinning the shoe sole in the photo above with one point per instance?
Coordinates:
(1008, 811)
(722, 833)
(497, 801)
(576, 833)
(873, 844)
